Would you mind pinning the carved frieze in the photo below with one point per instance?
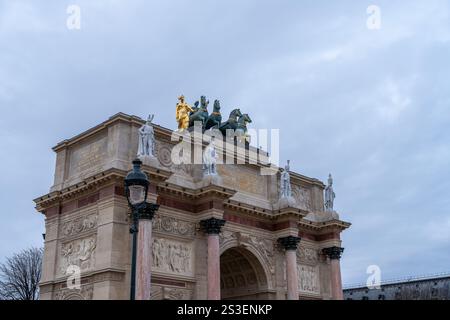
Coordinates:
(302, 196)
(166, 293)
(79, 252)
(172, 257)
(264, 246)
(307, 255)
(85, 292)
(177, 294)
(308, 279)
(171, 225)
(79, 225)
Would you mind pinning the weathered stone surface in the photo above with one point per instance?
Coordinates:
(88, 221)
(174, 257)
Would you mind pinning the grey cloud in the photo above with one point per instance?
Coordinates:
(370, 107)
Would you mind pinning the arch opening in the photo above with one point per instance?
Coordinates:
(242, 276)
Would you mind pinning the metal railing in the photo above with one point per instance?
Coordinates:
(401, 280)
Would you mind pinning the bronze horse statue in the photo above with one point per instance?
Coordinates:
(215, 118)
(241, 130)
(231, 123)
(199, 113)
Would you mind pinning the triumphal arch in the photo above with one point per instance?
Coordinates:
(222, 230)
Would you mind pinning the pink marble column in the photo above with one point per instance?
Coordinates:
(290, 244)
(336, 281)
(212, 227)
(213, 267)
(334, 253)
(144, 260)
(144, 251)
(291, 275)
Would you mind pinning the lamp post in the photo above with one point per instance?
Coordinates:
(136, 187)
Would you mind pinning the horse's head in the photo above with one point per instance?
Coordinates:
(235, 113)
(203, 102)
(216, 105)
(247, 118)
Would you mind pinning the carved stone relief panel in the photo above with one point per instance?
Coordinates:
(78, 225)
(169, 293)
(265, 247)
(308, 279)
(302, 196)
(164, 155)
(171, 225)
(85, 292)
(307, 255)
(79, 252)
(177, 294)
(171, 256)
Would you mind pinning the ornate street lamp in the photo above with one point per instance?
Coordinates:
(136, 187)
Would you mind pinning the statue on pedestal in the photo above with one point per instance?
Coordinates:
(146, 146)
(210, 159)
(285, 183)
(182, 113)
(286, 199)
(329, 195)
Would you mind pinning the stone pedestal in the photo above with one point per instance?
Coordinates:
(212, 227)
(150, 161)
(334, 253)
(285, 202)
(211, 179)
(290, 244)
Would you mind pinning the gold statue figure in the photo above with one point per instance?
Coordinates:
(182, 113)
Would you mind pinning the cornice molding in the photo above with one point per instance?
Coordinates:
(92, 183)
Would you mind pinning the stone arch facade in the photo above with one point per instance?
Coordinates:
(243, 275)
(88, 221)
(262, 249)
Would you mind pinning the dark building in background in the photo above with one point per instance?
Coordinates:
(435, 287)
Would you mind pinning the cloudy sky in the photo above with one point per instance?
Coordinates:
(370, 106)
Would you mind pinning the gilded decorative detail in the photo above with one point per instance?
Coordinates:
(182, 113)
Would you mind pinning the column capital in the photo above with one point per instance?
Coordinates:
(147, 211)
(333, 253)
(289, 242)
(212, 225)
